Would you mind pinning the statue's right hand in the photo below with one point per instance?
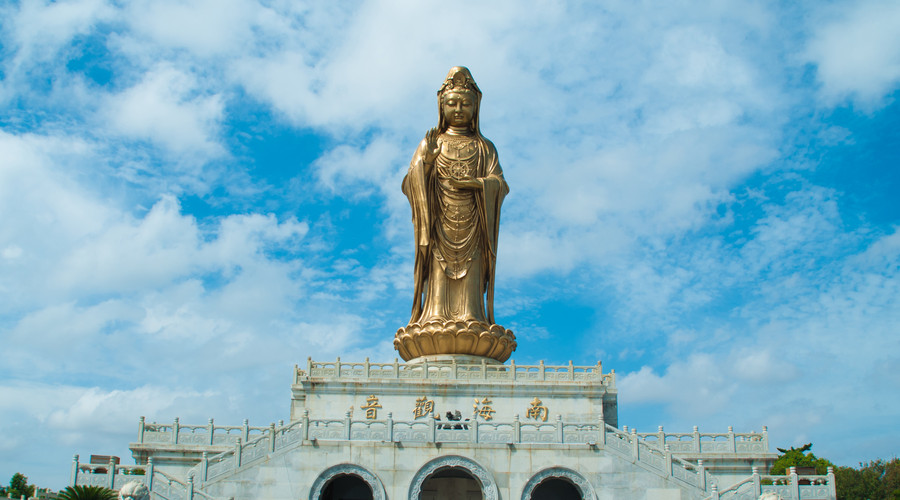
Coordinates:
(432, 148)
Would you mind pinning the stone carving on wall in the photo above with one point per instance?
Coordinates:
(347, 469)
(455, 188)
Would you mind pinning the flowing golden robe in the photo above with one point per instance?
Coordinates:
(455, 230)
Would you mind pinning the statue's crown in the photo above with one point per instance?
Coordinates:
(459, 79)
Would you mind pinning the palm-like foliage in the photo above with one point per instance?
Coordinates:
(87, 493)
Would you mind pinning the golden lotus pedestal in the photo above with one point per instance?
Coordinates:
(468, 338)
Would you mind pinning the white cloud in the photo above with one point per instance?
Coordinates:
(857, 52)
(169, 108)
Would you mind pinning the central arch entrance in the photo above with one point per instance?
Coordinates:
(453, 477)
(451, 483)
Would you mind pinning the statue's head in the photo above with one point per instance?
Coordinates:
(458, 100)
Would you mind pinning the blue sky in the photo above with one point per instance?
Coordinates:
(196, 196)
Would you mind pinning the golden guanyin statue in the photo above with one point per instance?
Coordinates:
(455, 188)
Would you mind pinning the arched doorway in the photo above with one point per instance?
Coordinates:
(347, 482)
(347, 487)
(451, 483)
(558, 483)
(455, 477)
(556, 488)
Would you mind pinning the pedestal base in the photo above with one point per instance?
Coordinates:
(471, 338)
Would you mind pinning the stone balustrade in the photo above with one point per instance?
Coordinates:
(115, 476)
(709, 442)
(336, 370)
(791, 486)
(209, 434)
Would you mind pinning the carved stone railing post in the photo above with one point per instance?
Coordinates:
(512, 368)
(305, 424)
(309, 364)
(111, 474)
(245, 432)
(765, 438)
(668, 461)
(425, 369)
(396, 368)
(757, 483)
(455, 370)
(347, 422)
(701, 472)
(697, 440)
(204, 467)
(210, 429)
(732, 446)
(571, 370)
(149, 482)
(175, 431)
(337, 368)
(795, 484)
(272, 436)
(601, 430)
(432, 431)
(74, 477)
(189, 493)
(141, 430)
(517, 429)
(635, 446)
(484, 368)
(830, 479)
(660, 436)
(543, 375)
(715, 492)
(474, 428)
(559, 428)
(389, 427)
(237, 454)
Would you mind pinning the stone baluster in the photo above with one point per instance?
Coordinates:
(732, 446)
(757, 483)
(337, 368)
(541, 370)
(425, 368)
(211, 430)
(347, 422)
(237, 454)
(484, 368)
(512, 369)
(559, 428)
(189, 493)
(74, 477)
(571, 370)
(517, 429)
(635, 446)
(830, 479)
(765, 438)
(296, 374)
(715, 492)
(175, 428)
(305, 424)
(390, 427)
(149, 480)
(432, 431)
(280, 422)
(795, 483)
(111, 474)
(141, 430)
(701, 473)
(309, 364)
(697, 440)
(245, 431)
(474, 428)
(668, 453)
(272, 435)
(204, 467)
(601, 429)
(396, 368)
(660, 436)
(455, 370)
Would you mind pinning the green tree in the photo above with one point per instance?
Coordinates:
(87, 493)
(796, 457)
(19, 486)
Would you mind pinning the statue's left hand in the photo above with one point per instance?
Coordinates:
(465, 183)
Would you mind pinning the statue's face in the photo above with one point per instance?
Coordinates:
(458, 108)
